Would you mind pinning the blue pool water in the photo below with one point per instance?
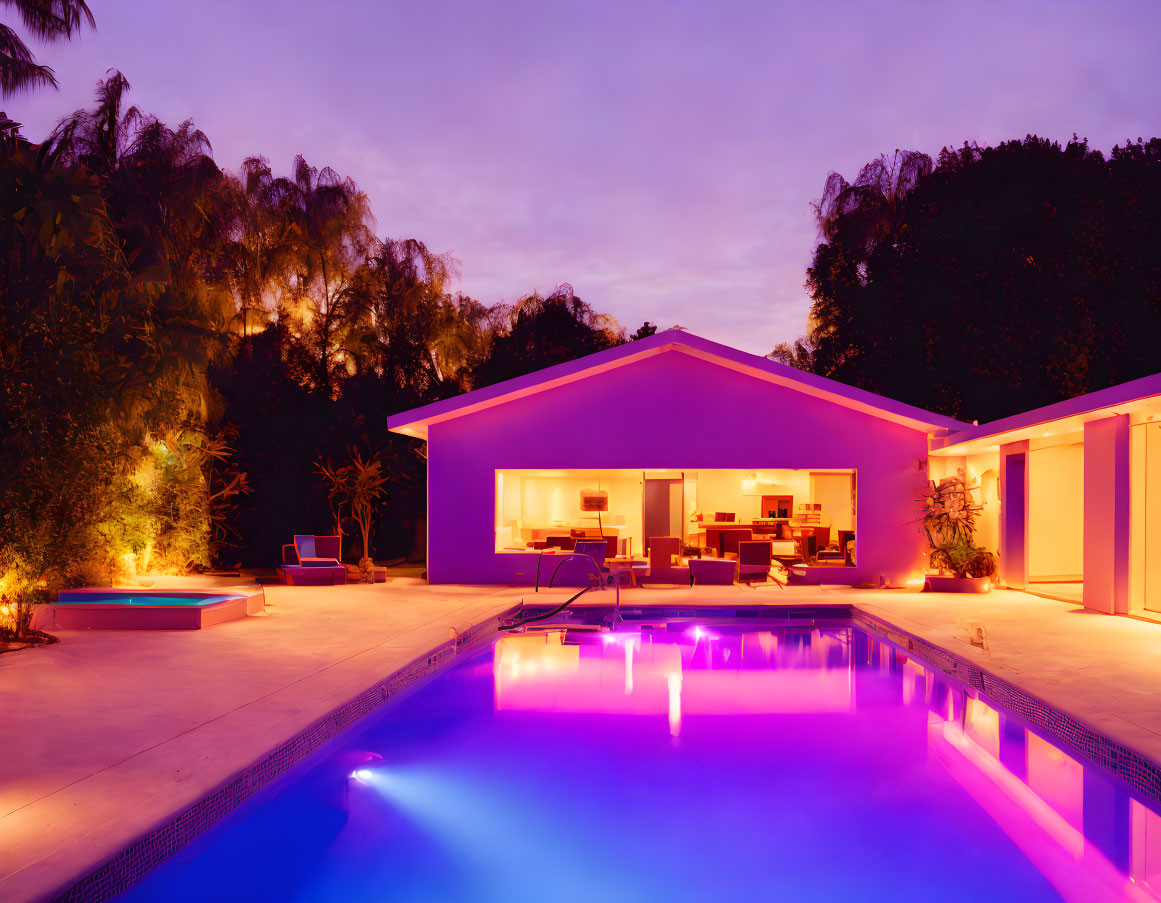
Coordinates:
(136, 598)
(681, 764)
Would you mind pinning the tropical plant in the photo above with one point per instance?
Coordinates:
(225, 484)
(949, 512)
(192, 489)
(335, 478)
(360, 484)
(69, 298)
(48, 20)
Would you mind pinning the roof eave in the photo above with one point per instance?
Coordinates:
(1119, 399)
(416, 422)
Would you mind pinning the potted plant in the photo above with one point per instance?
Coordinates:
(949, 512)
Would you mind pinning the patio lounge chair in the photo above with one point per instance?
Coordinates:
(313, 561)
(712, 571)
(662, 552)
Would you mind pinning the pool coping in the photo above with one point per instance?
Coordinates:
(1138, 771)
(173, 832)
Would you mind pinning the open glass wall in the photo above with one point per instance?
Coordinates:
(809, 513)
(1145, 531)
(1056, 516)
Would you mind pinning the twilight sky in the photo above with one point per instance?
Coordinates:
(660, 156)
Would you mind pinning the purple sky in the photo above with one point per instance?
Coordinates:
(659, 156)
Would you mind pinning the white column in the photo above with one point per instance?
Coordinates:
(1106, 514)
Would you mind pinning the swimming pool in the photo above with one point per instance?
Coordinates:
(108, 608)
(683, 762)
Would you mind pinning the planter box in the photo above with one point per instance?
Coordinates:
(941, 584)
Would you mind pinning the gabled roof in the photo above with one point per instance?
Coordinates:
(1065, 416)
(416, 421)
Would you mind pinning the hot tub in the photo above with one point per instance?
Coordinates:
(106, 608)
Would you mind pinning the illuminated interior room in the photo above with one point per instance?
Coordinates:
(808, 513)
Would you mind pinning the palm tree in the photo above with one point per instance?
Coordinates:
(262, 253)
(168, 200)
(99, 137)
(333, 221)
(48, 20)
(410, 323)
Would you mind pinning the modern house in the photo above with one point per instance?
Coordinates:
(675, 435)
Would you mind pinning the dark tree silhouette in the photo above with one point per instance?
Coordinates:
(999, 280)
(547, 331)
(48, 20)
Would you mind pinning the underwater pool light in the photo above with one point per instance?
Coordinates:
(362, 775)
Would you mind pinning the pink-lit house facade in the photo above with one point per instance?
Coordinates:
(719, 430)
(681, 436)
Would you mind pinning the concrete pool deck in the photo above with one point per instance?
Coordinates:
(110, 733)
